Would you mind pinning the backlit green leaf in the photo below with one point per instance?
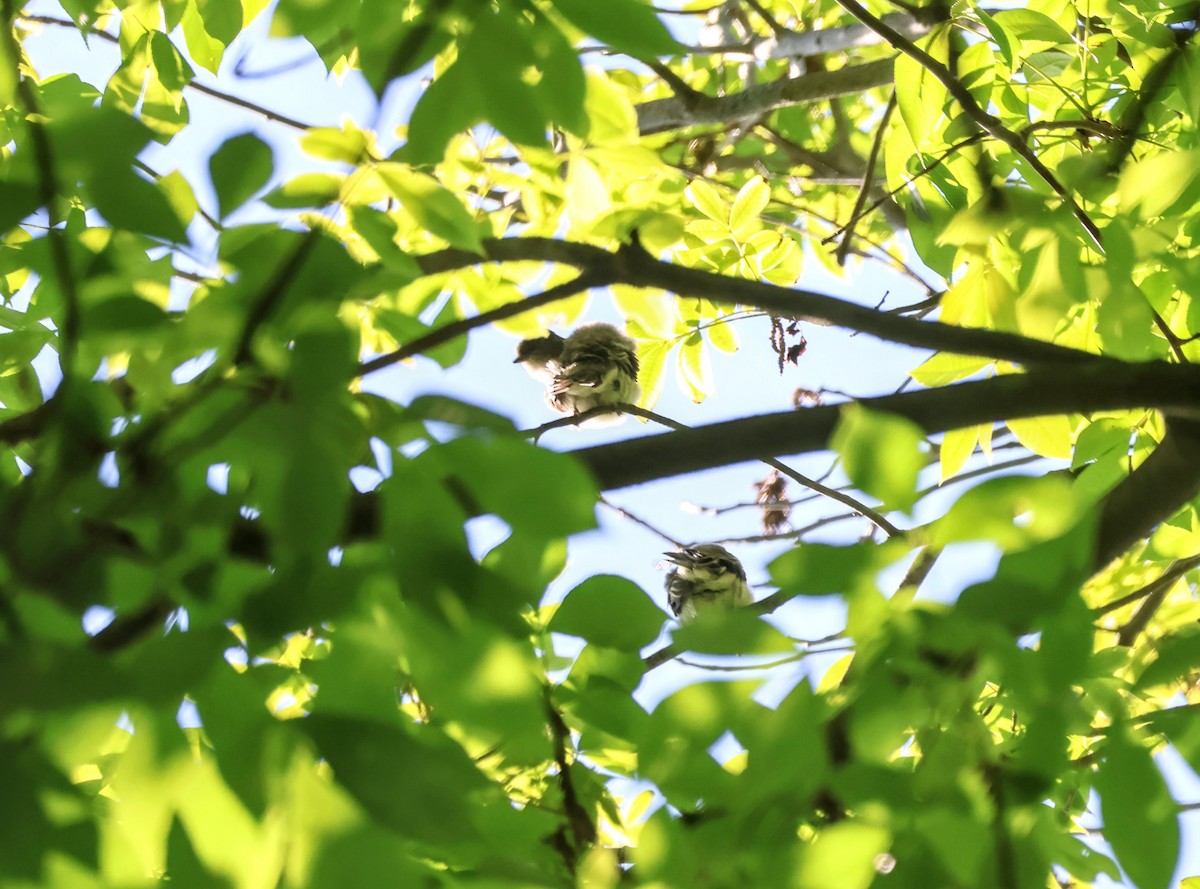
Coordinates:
(609, 611)
(239, 168)
(882, 454)
(1139, 815)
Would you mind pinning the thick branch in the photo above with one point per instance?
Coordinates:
(634, 266)
(1103, 385)
(789, 44)
(1168, 479)
(660, 115)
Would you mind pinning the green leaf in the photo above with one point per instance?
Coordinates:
(179, 194)
(749, 203)
(610, 611)
(1099, 438)
(205, 49)
(882, 454)
(843, 856)
(239, 168)
(173, 71)
(1160, 184)
(17, 200)
(1005, 41)
(1047, 436)
(499, 474)
(306, 190)
(222, 18)
(652, 370)
(418, 784)
(1140, 819)
(611, 114)
(349, 144)
(163, 110)
(624, 25)
(956, 448)
(123, 314)
(921, 98)
(946, 367)
(1125, 322)
(1028, 25)
(1177, 657)
(723, 337)
(730, 631)
(494, 57)
(817, 569)
(1012, 512)
(706, 199)
(432, 205)
(130, 202)
(695, 369)
(450, 105)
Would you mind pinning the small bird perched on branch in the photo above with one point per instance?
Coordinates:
(596, 365)
(704, 575)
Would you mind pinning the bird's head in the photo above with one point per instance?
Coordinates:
(536, 353)
(706, 560)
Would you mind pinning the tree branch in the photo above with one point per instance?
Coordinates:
(582, 829)
(194, 85)
(985, 121)
(1102, 385)
(587, 280)
(1167, 480)
(1177, 569)
(661, 115)
(868, 175)
(48, 192)
(634, 266)
(1156, 595)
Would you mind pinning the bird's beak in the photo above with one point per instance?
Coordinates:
(518, 360)
(674, 558)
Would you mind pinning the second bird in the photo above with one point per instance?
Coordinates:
(596, 365)
(703, 575)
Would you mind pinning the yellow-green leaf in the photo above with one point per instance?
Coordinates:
(695, 369)
(957, 447)
(1047, 436)
(749, 203)
(705, 199)
(946, 367)
(881, 453)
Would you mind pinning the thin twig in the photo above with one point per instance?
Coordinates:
(841, 517)
(586, 280)
(678, 85)
(877, 518)
(774, 26)
(274, 293)
(982, 119)
(250, 106)
(1152, 84)
(868, 175)
(48, 189)
(198, 87)
(1174, 571)
(582, 829)
(637, 520)
(832, 493)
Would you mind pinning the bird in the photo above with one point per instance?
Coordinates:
(596, 365)
(705, 574)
